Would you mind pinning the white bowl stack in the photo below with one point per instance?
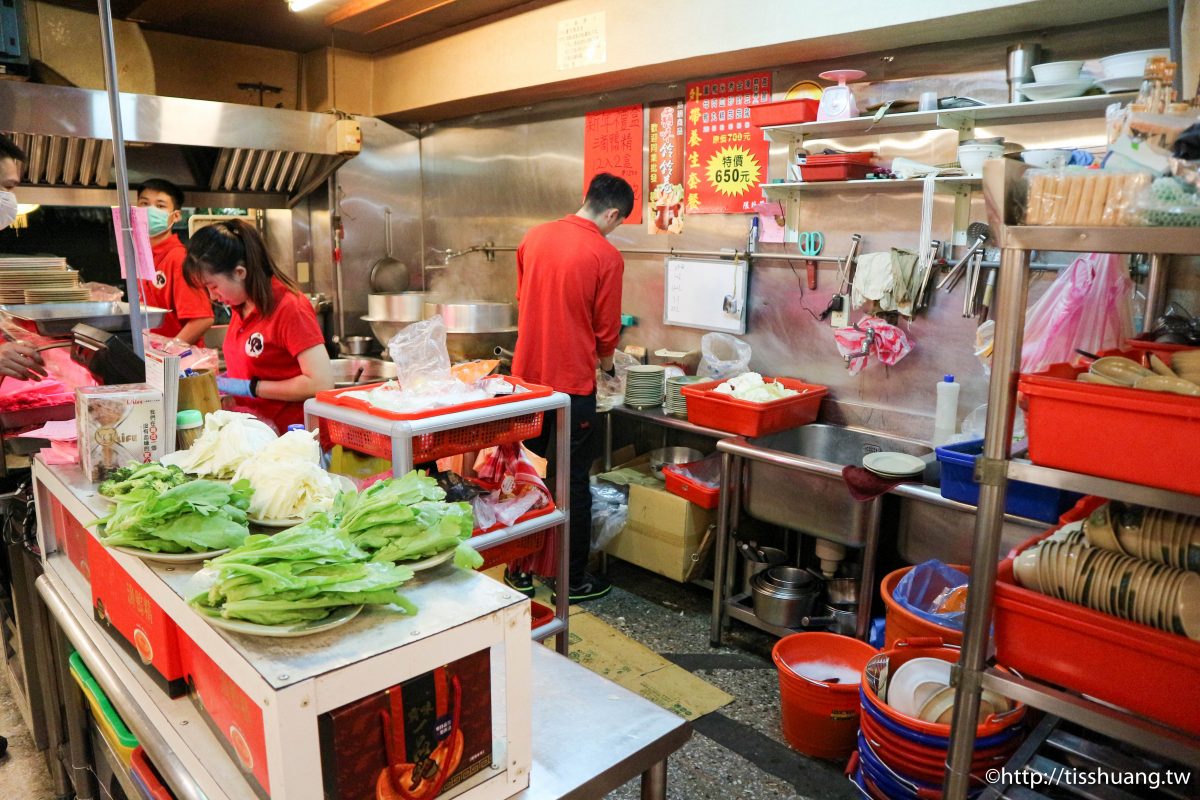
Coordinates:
(1057, 80)
(644, 386)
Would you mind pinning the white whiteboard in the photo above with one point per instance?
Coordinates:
(695, 292)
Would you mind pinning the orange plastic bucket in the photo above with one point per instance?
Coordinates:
(820, 718)
(902, 624)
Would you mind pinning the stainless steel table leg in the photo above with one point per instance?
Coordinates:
(654, 782)
(871, 512)
(721, 548)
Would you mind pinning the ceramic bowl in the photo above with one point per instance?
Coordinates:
(1057, 71)
(972, 156)
(1046, 159)
(912, 674)
(1131, 64)
(1057, 90)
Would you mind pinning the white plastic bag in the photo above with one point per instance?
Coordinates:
(419, 352)
(722, 356)
(610, 508)
(1086, 308)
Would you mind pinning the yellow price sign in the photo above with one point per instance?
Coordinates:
(733, 170)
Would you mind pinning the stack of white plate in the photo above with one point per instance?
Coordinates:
(888, 464)
(19, 275)
(644, 386)
(675, 403)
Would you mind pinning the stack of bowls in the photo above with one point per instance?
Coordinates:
(676, 403)
(644, 386)
(1136, 564)
(1057, 80)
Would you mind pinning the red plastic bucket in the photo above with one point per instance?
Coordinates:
(902, 624)
(820, 718)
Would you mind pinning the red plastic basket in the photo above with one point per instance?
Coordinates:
(1148, 671)
(539, 614)
(689, 489)
(338, 397)
(1113, 432)
(722, 412)
(432, 446)
(511, 551)
(784, 112)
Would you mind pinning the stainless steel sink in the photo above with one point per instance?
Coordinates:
(795, 477)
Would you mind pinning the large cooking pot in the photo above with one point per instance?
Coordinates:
(397, 306)
(353, 371)
(475, 317)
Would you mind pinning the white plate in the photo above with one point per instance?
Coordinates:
(911, 674)
(1114, 85)
(893, 465)
(1057, 90)
(428, 563)
(344, 483)
(339, 617)
(171, 558)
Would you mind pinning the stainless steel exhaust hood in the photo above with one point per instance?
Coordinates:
(221, 154)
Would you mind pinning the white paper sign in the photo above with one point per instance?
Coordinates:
(140, 223)
(581, 41)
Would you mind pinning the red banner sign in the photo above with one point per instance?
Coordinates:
(726, 154)
(612, 142)
(665, 212)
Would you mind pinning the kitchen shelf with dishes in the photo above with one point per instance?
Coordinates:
(1080, 660)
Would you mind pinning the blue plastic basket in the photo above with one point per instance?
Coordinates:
(1022, 499)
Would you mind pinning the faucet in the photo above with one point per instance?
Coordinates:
(866, 348)
(447, 255)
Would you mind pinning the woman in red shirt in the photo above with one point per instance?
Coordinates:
(275, 356)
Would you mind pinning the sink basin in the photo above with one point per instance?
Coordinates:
(795, 477)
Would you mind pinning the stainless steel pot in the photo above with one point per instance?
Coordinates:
(353, 371)
(842, 590)
(838, 618)
(475, 317)
(776, 606)
(356, 345)
(397, 306)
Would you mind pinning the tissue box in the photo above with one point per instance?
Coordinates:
(118, 425)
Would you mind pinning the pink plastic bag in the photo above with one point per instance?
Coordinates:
(1086, 308)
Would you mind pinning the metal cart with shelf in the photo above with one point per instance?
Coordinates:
(996, 467)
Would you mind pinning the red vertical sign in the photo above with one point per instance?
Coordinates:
(726, 155)
(665, 213)
(612, 142)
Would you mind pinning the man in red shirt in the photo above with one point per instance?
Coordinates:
(569, 297)
(189, 311)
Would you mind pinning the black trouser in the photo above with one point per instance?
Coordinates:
(585, 445)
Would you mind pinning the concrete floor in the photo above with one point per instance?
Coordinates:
(736, 753)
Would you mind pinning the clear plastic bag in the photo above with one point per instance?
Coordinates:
(421, 359)
(723, 356)
(610, 390)
(193, 356)
(1170, 202)
(1080, 196)
(934, 592)
(103, 293)
(706, 471)
(610, 509)
(1086, 308)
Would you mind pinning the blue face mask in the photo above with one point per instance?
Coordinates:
(159, 220)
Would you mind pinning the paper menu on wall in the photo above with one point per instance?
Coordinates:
(139, 222)
(162, 372)
(707, 294)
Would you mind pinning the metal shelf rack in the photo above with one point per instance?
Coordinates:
(402, 434)
(995, 467)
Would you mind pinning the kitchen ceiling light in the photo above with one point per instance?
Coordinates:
(300, 5)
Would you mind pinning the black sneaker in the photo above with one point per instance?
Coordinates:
(3, 746)
(521, 581)
(592, 587)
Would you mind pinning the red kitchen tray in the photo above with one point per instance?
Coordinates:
(689, 489)
(837, 167)
(784, 112)
(337, 397)
(1147, 671)
(722, 412)
(1113, 432)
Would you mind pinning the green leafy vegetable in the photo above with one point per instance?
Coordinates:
(154, 476)
(197, 516)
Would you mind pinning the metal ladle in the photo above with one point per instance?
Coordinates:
(389, 275)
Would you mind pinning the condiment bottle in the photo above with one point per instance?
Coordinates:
(945, 415)
(189, 424)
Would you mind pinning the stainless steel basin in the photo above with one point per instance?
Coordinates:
(795, 478)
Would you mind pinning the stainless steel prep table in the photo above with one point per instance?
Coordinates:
(633, 735)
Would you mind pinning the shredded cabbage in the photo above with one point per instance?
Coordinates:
(750, 386)
(287, 477)
(229, 439)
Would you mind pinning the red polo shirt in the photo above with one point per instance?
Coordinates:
(569, 297)
(171, 291)
(266, 348)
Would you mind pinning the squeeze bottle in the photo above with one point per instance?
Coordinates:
(945, 415)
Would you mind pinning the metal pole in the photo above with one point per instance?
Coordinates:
(562, 484)
(1175, 40)
(990, 471)
(640, 251)
(1156, 290)
(118, 139)
(721, 548)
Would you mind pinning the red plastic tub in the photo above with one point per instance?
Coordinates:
(1148, 671)
(784, 112)
(539, 614)
(722, 412)
(837, 167)
(1113, 432)
(689, 489)
(901, 624)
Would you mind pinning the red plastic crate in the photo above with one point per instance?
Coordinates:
(1148, 671)
(1113, 432)
(837, 167)
(539, 614)
(432, 446)
(690, 490)
(511, 551)
(146, 776)
(724, 413)
(784, 112)
(337, 397)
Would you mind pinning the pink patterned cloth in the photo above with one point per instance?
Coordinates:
(890, 345)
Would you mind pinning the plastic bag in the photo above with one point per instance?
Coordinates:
(1170, 202)
(419, 352)
(934, 592)
(610, 509)
(193, 356)
(610, 390)
(1086, 308)
(722, 356)
(706, 471)
(103, 293)
(1078, 196)
(513, 485)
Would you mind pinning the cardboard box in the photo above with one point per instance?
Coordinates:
(128, 614)
(118, 425)
(663, 531)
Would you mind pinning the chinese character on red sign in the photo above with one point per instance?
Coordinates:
(612, 142)
(726, 156)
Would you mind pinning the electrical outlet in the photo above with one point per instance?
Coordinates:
(840, 316)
